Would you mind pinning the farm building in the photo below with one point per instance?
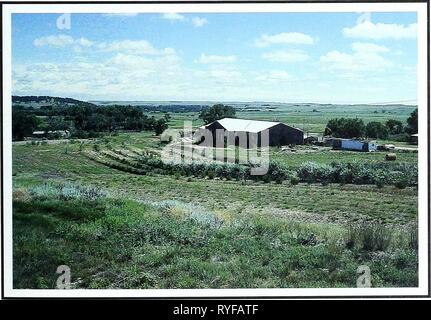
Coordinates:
(352, 144)
(253, 131)
(51, 134)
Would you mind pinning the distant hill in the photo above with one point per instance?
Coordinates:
(40, 101)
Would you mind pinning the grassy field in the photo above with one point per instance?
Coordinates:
(67, 162)
(112, 243)
(121, 230)
(308, 117)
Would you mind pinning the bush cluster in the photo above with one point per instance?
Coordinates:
(66, 191)
(400, 175)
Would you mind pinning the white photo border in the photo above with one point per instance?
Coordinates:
(421, 8)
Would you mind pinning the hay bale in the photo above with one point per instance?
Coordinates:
(391, 157)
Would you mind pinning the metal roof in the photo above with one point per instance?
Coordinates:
(231, 124)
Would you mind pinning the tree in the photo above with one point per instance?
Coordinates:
(217, 112)
(376, 130)
(345, 128)
(412, 123)
(56, 123)
(23, 124)
(394, 126)
(160, 125)
(167, 116)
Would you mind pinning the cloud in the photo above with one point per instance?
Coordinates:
(135, 46)
(54, 40)
(274, 76)
(208, 59)
(129, 76)
(84, 42)
(199, 22)
(365, 59)
(195, 21)
(173, 16)
(120, 75)
(368, 47)
(378, 31)
(283, 38)
(285, 56)
(225, 75)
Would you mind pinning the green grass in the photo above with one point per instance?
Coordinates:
(271, 235)
(112, 243)
(35, 164)
(327, 157)
(303, 116)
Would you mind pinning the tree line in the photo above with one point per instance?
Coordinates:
(356, 128)
(83, 120)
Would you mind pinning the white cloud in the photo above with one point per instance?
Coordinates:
(121, 75)
(54, 40)
(378, 31)
(274, 76)
(283, 38)
(208, 59)
(173, 16)
(199, 22)
(368, 47)
(285, 56)
(225, 75)
(195, 21)
(135, 46)
(84, 42)
(365, 59)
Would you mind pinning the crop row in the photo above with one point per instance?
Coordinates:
(400, 175)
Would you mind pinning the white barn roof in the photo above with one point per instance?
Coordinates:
(231, 124)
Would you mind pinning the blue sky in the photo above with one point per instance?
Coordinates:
(286, 57)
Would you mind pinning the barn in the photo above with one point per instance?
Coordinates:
(233, 130)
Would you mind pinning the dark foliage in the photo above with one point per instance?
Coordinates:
(82, 119)
(345, 128)
(23, 124)
(217, 112)
(412, 123)
(376, 130)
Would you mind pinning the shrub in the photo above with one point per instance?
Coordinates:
(312, 172)
(413, 238)
(294, 180)
(65, 191)
(391, 157)
(369, 237)
(402, 174)
(401, 183)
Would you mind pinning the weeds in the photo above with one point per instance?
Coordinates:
(65, 192)
(119, 243)
(369, 237)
